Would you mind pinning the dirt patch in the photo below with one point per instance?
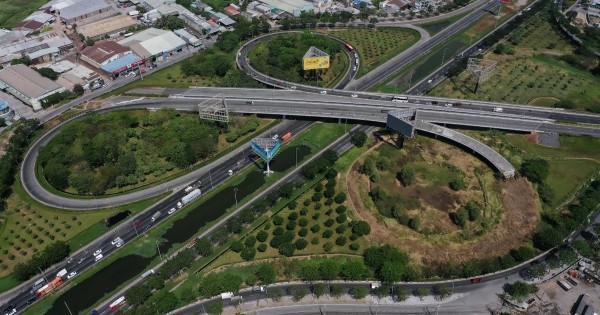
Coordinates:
(532, 137)
(518, 219)
(441, 198)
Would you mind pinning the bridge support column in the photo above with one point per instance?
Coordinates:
(283, 117)
(339, 120)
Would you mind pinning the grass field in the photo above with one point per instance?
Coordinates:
(426, 64)
(376, 45)
(169, 77)
(533, 75)
(12, 12)
(577, 159)
(28, 227)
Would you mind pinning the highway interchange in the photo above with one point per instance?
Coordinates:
(344, 104)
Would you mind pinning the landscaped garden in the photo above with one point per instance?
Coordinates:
(376, 45)
(281, 57)
(122, 150)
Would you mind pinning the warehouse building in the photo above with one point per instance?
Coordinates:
(123, 65)
(154, 44)
(16, 46)
(103, 52)
(28, 85)
(111, 27)
(292, 7)
(85, 9)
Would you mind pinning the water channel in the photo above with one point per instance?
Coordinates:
(125, 268)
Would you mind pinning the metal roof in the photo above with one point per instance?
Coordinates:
(106, 26)
(27, 81)
(82, 8)
(121, 62)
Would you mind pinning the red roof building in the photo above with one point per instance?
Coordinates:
(104, 52)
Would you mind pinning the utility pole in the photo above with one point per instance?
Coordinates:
(235, 195)
(158, 248)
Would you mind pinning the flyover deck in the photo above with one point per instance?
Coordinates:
(499, 162)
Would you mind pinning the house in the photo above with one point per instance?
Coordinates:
(232, 10)
(103, 52)
(28, 85)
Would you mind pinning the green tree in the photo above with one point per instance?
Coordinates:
(474, 209)
(215, 308)
(583, 248)
(546, 238)
(137, 295)
(406, 176)
(237, 246)
(78, 89)
(421, 292)
(354, 270)
(460, 217)
(169, 22)
(442, 291)
(262, 236)
(414, 223)
(48, 73)
(359, 138)
(329, 270)
(309, 272)
(536, 170)
(401, 293)
(392, 272)
(248, 253)
(299, 294)
(319, 290)
(57, 175)
(336, 290)
(300, 244)
(90, 42)
(266, 274)
(340, 198)
(204, 247)
(361, 228)
(520, 290)
(359, 293)
(274, 294)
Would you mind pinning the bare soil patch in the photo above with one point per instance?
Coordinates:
(518, 218)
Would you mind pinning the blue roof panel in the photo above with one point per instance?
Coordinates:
(121, 62)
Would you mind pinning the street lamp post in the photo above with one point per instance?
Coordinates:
(411, 75)
(235, 195)
(42, 273)
(297, 156)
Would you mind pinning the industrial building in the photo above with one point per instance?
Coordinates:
(84, 9)
(28, 85)
(188, 38)
(103, 52)
(123, 65)
(154, 44)
(16, 46)
(111, 27)
(292, 7)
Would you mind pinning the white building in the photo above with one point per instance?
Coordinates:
(153, 43)
(28, 85)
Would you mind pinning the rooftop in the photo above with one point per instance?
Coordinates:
(82, 8)
(103, 51)
(62, 66)
(43, 52)
(27, 81)
(121, 62)
(291, 6)
(106, 26)
(153, 42)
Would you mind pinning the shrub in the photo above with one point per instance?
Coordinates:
(354, 246)
(315, 228)
(262, 247)
(303, 232)
(300, 244)
(329, 222)
(327, 247)
(315, 241)
(406, 176)
(327, 233)
(262, 236)
(341, 241)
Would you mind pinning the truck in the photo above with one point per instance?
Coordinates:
(114, 306)
(572, 280)
(581, 305)
(155, 216)
(57, 282)
(147, 273)
(226, 295)
(188, 189)
(62, 273)
(564, 285)
(286, 137)
(189, 198)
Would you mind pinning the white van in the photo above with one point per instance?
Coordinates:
(498, 109)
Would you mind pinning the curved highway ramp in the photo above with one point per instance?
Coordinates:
(499, 162)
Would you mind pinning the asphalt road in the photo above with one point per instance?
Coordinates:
(341, 145)
(210, 177)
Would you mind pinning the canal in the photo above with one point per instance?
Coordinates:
(85, 294)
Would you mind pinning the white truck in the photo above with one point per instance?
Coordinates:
(189, 198)
(62, 273)
(155, 216)
(226, 295)
(147, 273)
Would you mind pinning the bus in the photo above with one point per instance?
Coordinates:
(350, 48)
(400, 99)
(117, 303)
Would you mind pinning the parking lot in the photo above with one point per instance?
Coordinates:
(552, 299)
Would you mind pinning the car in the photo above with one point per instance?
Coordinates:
(323, 92)
(72, 274)
(434, 102)
(250, 102)
(171, 211)
(448, 105)
(98, 257)
(293, 87)
(354, 69)
(275, 137)
(10, 311)
(456, 103)
(429, 81)
(98, 252)
(498, 109)
(30, 301)
(476, 280)
(354, 95)
(230, 172)
(115, 241)
(119, 244)
(138, 223)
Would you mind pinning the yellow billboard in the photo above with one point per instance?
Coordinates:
(316, 63)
